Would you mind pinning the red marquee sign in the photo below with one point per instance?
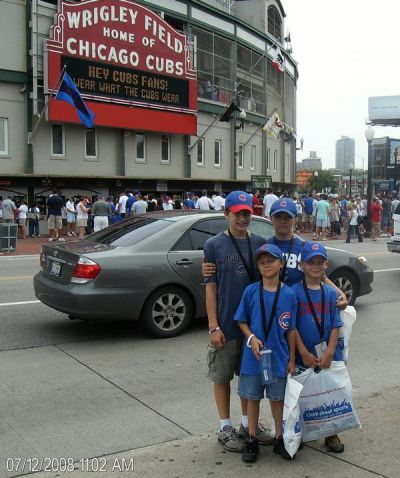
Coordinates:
(132, 68)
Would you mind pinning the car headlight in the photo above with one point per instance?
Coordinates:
(363, 260)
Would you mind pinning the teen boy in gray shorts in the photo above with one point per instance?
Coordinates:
(232, 251)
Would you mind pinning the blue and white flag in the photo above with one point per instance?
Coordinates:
(69, 92)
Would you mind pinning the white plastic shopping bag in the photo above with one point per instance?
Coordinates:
(291, 416)
(348, 316)
(326, 402)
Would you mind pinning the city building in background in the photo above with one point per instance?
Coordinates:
(385, 164)
(156, 74)
(345, 153)
(311, 162)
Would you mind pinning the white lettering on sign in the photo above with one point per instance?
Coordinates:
(159, 31)
(87, 18)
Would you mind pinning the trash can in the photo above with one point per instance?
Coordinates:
(8, 237)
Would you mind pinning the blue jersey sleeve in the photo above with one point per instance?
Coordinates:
(293, 319)
(210, 256)
(336, 321)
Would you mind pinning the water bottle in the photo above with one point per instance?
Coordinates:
(265, 364)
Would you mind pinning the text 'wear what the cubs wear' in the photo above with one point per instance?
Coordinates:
(249, 311)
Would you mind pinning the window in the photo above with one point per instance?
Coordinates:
(274, 22)
(57, 140)
(217, 153)
(200, 152)
(90, 143)
(165, 148)
(250, 75)
(262, 228)
(241, 156)
(268, 158)
(3, 136)
(274, 77)
(195, 238)
(253, 157)
(140, 147)
(275, 160)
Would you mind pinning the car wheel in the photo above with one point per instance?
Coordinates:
(347, 283)
(167, 312)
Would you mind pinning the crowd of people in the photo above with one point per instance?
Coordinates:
(325, 216)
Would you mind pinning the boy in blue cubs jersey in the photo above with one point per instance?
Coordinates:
(267, 317)
(318, 319)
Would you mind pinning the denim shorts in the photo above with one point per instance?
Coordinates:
(250, 387)
(385, 220)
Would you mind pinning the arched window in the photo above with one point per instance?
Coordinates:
(274, 22)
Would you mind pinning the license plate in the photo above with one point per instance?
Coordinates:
(55, 269)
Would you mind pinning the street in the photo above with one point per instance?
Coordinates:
(101, 394)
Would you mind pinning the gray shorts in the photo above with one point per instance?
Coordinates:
(224, 363)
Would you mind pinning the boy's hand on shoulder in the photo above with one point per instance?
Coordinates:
(256, 346)
(218, 339)
(309, 360)
(341, 302)
(208, 268)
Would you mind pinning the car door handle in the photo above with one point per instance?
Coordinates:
(184, 262)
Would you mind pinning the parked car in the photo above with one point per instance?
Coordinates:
(393, 244)
(148, 268)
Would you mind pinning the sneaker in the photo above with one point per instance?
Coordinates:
(251, 450)
(262, 435)
(279, 449)
(334, 444)
(69, 234)
(61, 239)
(229, 439)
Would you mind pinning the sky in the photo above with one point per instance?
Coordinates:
(346, 50)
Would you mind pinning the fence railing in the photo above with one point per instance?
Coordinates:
(227, 6)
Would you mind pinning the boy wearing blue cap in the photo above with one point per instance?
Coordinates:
(267, 317)
(318, 319)
(232, 252)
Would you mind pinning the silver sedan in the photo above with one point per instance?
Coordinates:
(148, 268)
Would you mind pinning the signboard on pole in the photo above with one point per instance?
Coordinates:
(384, 110)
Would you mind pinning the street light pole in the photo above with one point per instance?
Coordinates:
(351, 178)
(369, 136)
(316, 181)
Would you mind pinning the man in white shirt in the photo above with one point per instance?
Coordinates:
(219, 202)
(268, 200)
(121, 206)
(139, 206)
(204, 203)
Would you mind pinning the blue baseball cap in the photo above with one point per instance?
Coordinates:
(269, 249)
(239, 201)
(312, 249)
(283, 205)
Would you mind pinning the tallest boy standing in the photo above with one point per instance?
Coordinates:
(232, 251)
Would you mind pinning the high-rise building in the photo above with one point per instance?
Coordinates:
(345, 153)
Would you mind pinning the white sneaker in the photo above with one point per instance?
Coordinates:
(61, 239)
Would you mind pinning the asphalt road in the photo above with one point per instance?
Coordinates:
(77, 390)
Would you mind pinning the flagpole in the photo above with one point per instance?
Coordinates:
(46, 104)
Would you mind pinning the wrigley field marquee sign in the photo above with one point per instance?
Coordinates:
(131, 67)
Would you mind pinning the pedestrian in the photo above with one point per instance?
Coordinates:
(386, 216)
(204, 203)
(308, 209)
(232, 252)
(132, 198)
(322, 218)
(375, 213)
(33, 218)
(139, 206)
(268, 200)
(82, 210)
(177, 202)
(55, 204)
(101, 212)
(344, 214)
(299, 209)
(318, 320)
(334, 215)
(219, 202)
(121, 206)
(257, 204)
(188, 203)
(22, 217)
(353, 224)
(267, 318)
(8, 207)
(71, 216)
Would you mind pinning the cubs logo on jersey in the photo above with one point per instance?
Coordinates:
(284, 320)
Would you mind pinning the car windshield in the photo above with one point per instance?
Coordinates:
(130, 231)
